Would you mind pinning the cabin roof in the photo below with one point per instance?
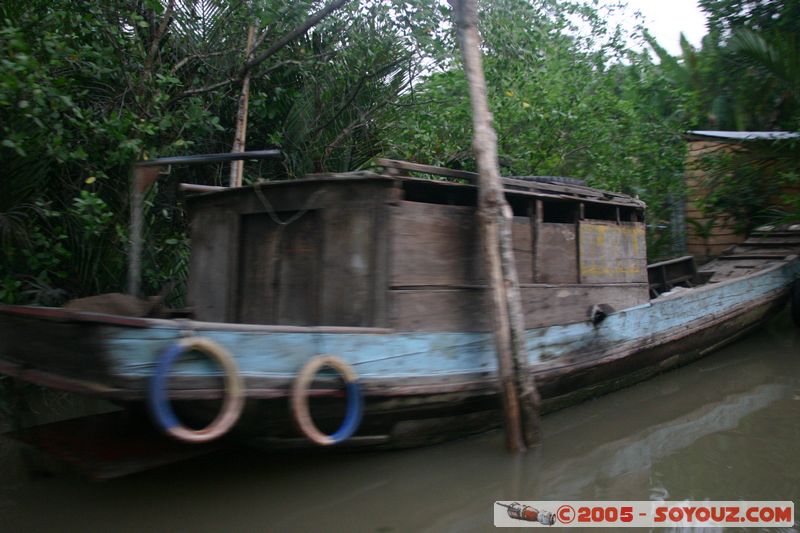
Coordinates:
(541, 190)
(738, 136)
(553, 191)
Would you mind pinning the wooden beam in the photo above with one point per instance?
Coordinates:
(393, 164)
(195, 188)
(536, 221)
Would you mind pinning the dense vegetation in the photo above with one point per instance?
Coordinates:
(745, 76)
(88, 88)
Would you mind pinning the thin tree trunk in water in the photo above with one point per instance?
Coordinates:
(237, 167)
(517, 387)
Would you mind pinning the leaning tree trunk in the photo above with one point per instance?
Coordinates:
(518, 390)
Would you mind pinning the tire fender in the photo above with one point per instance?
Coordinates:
(299, 400)
(232, 404)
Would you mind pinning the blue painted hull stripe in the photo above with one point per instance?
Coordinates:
(134, 352)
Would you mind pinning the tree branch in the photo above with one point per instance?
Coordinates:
(260, 40)
(309, 23)
(279, 64)
(355, 92)
(361, 121)
(208, 88)
(180, 64)
(157, 37)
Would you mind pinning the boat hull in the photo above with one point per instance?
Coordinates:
(419, 387)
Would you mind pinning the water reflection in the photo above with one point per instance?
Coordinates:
(724, 428)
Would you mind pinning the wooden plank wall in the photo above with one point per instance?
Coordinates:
(360, 256)
(436, 270)
(317, 270)
(612, 253)
(326, 267)
(556, 259)
(279, 270)
(348, 241)
(214, 247)
(443, 309)
(439, 245)
(722, 234)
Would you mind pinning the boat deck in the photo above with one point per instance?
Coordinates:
(762, 249)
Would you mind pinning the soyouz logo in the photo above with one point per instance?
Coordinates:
(528, 513)
(643, 514)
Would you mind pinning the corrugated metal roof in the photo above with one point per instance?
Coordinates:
(744, 135)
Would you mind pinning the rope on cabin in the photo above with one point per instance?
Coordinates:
(271, 210)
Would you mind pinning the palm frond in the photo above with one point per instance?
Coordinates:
(776, 55)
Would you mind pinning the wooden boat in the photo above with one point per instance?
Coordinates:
(381, 273)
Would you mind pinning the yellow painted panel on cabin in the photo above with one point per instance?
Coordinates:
(612, 252)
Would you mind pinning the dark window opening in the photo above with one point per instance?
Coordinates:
(560, 212)
(520, 205)
(432, 193)
(600, 212)
(630, 214)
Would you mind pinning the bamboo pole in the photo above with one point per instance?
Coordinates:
(143, 177)
(517, 387)
(237, 167)
(135, 253)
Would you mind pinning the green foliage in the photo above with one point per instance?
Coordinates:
(727, 16)
(704, 229)
(87, 89)
(76, 109)
(331, 116)
(745, 184)
(42, 254)
(776, 55)
(745, 76)
(737, 190)
(564, 103)
(788, 210)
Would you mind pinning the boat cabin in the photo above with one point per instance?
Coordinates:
(388, 250)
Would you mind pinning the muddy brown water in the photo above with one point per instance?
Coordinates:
(724, 428)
